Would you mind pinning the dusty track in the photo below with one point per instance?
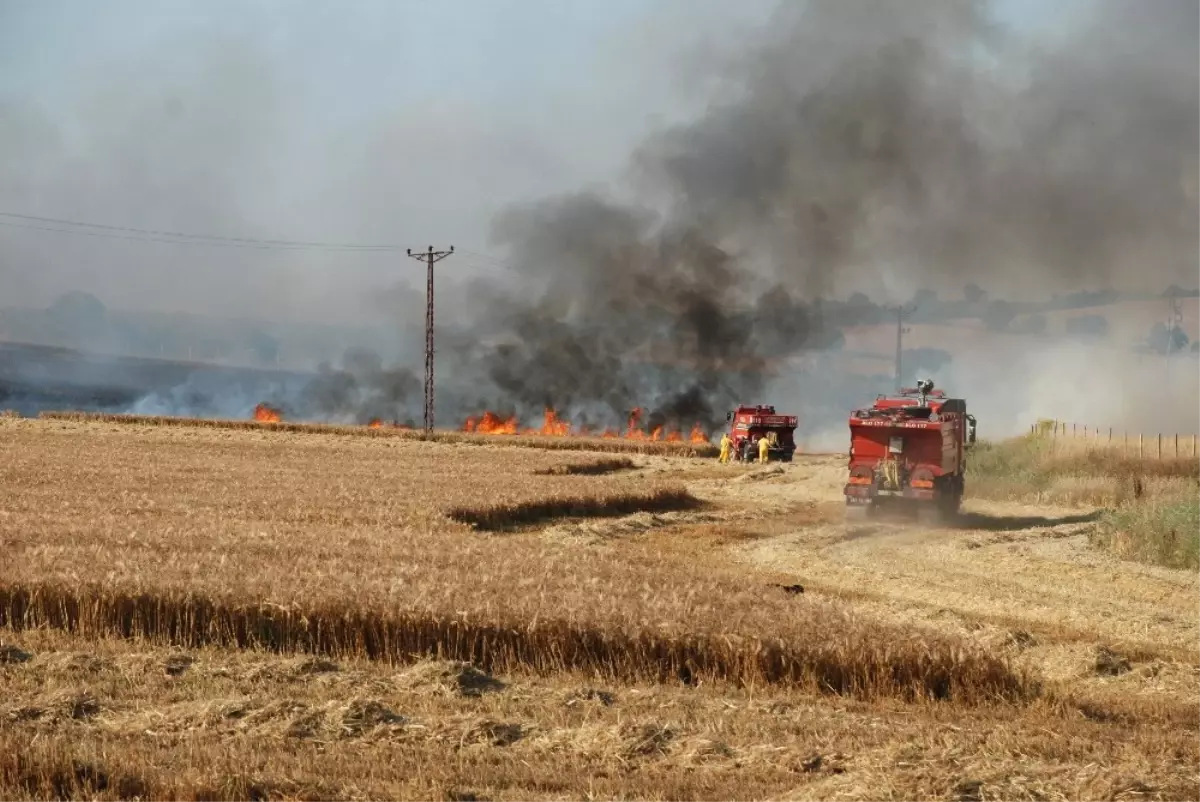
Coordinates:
(1022, 580)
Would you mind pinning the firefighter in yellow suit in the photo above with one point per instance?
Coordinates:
(726, 445)
(764, 446)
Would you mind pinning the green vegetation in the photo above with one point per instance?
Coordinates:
(1007, 469)
(1163, 532)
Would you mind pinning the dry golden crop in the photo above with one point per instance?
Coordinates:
(343, 546)
(102, 719)
(1074, 471)
(342, 552)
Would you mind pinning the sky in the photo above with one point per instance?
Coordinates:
(408, 122)
(374, 121)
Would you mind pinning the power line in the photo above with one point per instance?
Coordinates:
(182, 238)
(134, 234)
(105, 235)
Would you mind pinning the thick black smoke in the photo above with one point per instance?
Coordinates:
(612, 313)
(922, 142)
(861, 145)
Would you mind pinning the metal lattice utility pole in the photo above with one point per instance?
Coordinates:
(429, 257)
(900, 311)
(1174, 319)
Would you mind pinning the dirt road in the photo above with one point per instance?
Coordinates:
(1023, 580)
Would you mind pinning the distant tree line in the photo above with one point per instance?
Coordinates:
(997, 314)
(781, 324)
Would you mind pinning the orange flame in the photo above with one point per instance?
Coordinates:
(554, 426)
(634, 416)
(379, 423)
(491, 423)
(267, 414)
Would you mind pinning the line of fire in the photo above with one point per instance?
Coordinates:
(906, 450)
(552, 426)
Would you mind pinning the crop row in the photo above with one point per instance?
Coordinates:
(893, 666)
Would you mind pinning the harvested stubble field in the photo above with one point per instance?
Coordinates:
(294, 542)
(286, 590)
(115, 719)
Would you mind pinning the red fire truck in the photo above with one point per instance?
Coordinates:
(750, 424)
(909, 450)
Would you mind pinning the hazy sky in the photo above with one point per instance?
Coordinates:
(376, 121)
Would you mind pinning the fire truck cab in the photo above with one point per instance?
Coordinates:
(747, 425)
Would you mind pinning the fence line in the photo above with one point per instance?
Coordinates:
(1160, 446)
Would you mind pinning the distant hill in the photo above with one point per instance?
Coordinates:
(81, 322)
(34, 378)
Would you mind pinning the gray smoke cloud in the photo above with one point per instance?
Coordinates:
(304, 123)
(858, 145)
(630, 311)
(842, 146)
(917, 144)
(360, 391)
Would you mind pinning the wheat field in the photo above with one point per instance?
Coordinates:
(182, 533)
(293, 610)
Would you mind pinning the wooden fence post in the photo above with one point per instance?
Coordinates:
(1110, 434)
(1160, 445)
(1141, 449)
(1176, 445)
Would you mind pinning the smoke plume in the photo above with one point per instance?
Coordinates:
(360, 391)
(901, 150)
(857, 146)
(615, 309)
